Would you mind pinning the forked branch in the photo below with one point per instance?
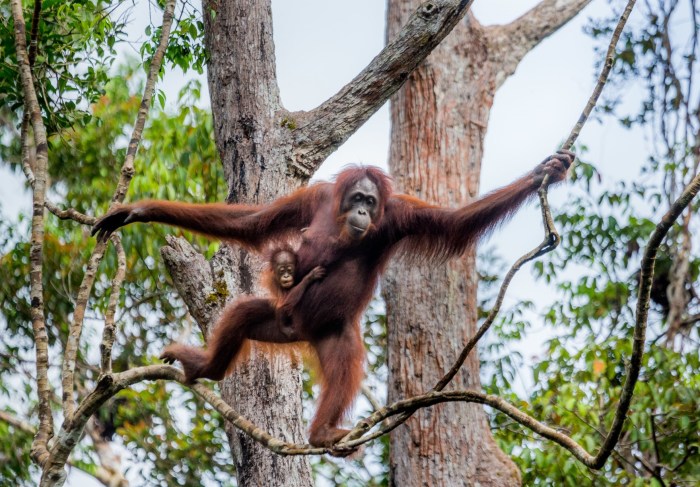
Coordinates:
(127, 172)
(326, 127)
(72, 429)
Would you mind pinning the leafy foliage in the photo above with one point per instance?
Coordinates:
(177, 160)
(578, 378)
(78, 39)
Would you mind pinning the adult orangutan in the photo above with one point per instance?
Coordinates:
(357, 213)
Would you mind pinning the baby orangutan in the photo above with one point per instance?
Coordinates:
(280, 282)
(226, 340)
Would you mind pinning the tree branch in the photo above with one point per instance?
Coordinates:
(69, 214)
(109, 329)
(31, 104)
(104, 475)
(76, 328)
(326, 127)
(510, 43)
(369, 395)
(16, 422)
(127, 172)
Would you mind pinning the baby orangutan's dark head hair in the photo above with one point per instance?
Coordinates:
(272, 253)
(282, 260)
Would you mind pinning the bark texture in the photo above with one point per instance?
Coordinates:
(439, 120)
(253, 145)
(267, 152)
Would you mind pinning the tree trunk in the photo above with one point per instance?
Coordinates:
(268, 152)
(439, 121)
(254, 148)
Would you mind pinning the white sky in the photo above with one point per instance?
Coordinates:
(322, 45)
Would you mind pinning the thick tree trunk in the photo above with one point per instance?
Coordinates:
(439, 121)
(254, 149)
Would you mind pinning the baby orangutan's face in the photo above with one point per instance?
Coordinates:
(283, 266)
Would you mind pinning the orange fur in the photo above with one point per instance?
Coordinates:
(327, 315)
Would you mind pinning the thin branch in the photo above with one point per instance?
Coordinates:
(325, 128)
(690, 451)
(31, 103)
(690, 320)
(602, 77)
(69, 214)
(76, 328)
(109, 329)
(16, 422)
(111, 384)
(654, 472)
(127, 172)
(373, 401)
(27, 155)
(72, 429)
